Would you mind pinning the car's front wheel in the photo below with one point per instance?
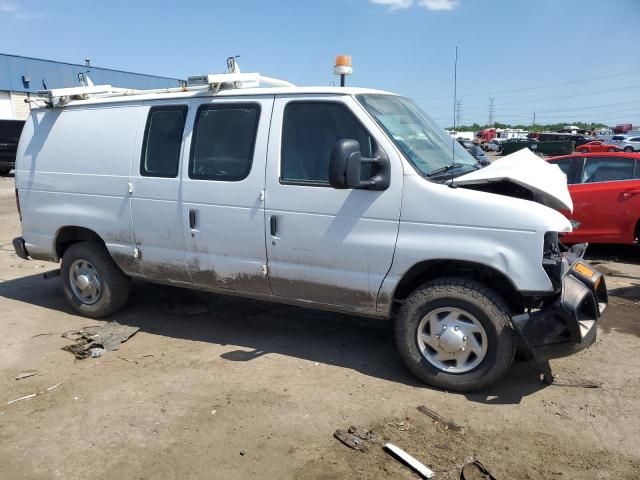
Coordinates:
(93, 284)
(584, 150)
(4, 172)
(611, 150)
(456, 334)
(628, 149)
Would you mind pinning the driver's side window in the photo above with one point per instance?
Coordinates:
(309, 132)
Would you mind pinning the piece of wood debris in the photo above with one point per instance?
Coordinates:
(26, 374)
(451, 425)
(408, 460)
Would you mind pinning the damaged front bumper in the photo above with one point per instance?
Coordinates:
(568, 323)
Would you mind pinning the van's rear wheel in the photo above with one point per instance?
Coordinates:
(93, 284)
(456, 334)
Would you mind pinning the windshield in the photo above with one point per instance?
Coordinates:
(423, 142)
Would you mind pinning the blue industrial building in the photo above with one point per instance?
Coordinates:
(21, 76)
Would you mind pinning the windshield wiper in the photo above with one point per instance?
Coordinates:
(439, 171)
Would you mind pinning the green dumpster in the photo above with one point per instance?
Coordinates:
(548, 148)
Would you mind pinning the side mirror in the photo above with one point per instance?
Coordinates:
(345, 167)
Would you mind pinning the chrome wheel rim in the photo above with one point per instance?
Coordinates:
(452, 340)
(85, 282)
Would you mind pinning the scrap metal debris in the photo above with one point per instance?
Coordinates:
(449, 424)
(26, 374)
(475, 471)
(351, 440)
(42, 392)
(401, 426)
(407, 460)
(26, 397)
(367, 435)
(89, 339)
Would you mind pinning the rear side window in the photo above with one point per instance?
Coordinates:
(162, 141)
(607, 169)
(309, 133)
(223, 141)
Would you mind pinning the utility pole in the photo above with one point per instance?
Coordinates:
(491, 100)
(533, 125)
(458, 111)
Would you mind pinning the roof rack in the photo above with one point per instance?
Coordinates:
(59, 97)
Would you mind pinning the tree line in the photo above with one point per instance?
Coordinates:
(548, 127)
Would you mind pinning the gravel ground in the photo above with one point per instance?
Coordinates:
(216, 387)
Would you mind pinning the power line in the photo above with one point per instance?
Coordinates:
(515, 90)
(535, 100)
(630, 105)
(573, 95)
(589, 107)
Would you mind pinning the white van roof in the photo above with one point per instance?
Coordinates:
(219, 85)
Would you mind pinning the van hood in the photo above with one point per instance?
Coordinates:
(522, 174)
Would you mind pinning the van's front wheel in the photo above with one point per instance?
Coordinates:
(93, 284)
(456, 334)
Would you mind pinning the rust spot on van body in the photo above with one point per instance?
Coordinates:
(349, 299)
(243, 282)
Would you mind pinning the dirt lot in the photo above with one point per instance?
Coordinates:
(230, 388)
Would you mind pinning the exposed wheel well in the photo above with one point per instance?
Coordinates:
(67, 236)
(432, 269)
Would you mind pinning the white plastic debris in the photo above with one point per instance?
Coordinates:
(408, 460)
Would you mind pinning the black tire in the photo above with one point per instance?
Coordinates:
(114, 284)
(476, 299)
(584, 150)
(4, 172)
(611, 149)
(628, 149)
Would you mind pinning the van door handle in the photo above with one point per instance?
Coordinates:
(193, 217)
(630, 193)
(273, 223)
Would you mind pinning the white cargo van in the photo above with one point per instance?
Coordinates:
(337, 198)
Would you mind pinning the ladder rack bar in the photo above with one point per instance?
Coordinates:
(214, 83)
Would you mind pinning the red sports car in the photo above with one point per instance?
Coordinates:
(605, 189)
(597, 146)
